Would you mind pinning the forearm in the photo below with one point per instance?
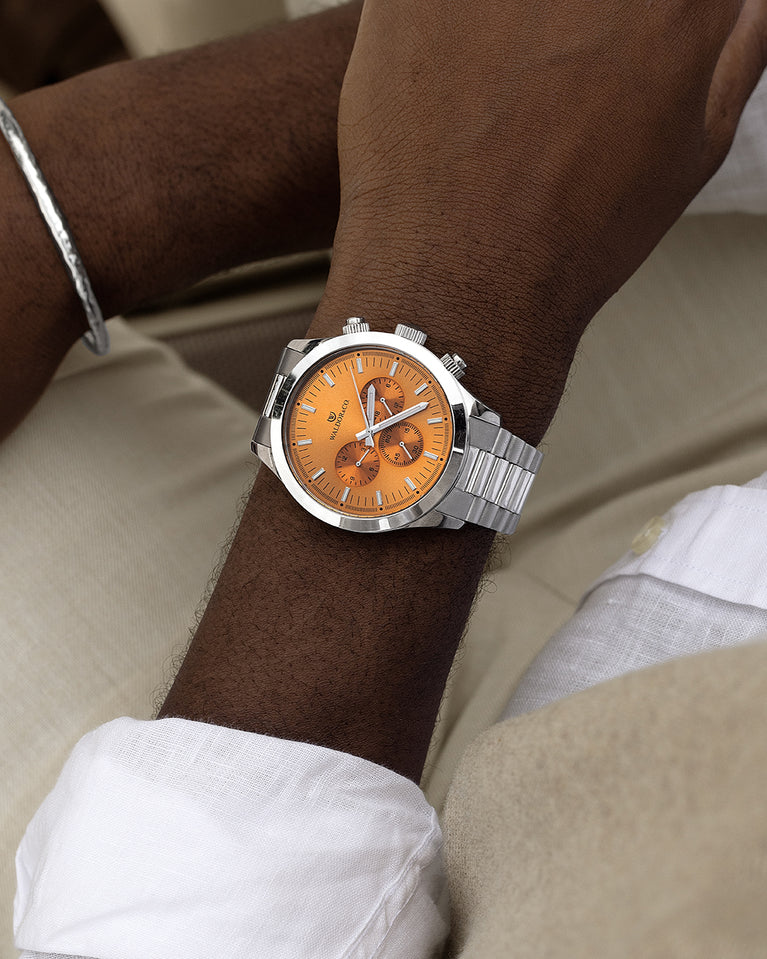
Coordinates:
(498, 211)
(346, 640)
(173, 168)
(342, 639)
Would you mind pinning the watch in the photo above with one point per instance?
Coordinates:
(372, 432)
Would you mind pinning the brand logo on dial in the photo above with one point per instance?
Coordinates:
(337, 427)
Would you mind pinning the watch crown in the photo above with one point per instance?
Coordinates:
(411, 333)
(454, 364)
(356, 324)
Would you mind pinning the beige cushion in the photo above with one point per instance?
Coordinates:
(149, 27)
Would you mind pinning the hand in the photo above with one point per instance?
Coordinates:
(361, 460)
(366, 433)
(506, 167)
(371, 406)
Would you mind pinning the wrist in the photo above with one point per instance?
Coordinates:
(41, 308)
(518, 346)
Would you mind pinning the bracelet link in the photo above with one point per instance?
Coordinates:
(497, 474)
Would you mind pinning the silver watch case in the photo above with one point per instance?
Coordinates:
(301, 356)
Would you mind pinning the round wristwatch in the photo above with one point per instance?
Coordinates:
(373, 432)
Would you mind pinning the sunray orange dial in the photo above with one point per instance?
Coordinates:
(368, 432)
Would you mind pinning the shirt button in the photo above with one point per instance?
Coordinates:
(649, 535)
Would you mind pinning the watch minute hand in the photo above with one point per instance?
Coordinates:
(411, 411)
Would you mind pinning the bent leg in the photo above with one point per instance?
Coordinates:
(668, 395)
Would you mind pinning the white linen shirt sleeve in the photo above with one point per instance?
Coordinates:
(183, 840)
(693, 581)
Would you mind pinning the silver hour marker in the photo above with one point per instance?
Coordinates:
(430, 456)
(359, 365)
(328, 380)
(309, 409)
(434, 419)
(346, 494)
(304, 443)
(318, 473)
(379, 498)
(421, 388)
(393, 368)
(410, 483)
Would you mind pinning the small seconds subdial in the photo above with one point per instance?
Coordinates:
(401, 444)
(357, 464)
(390, 397)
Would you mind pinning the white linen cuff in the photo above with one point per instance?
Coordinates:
(712, 541)
(185, 840)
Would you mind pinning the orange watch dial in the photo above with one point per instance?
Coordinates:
(369, 432)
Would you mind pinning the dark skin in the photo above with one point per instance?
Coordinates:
(42, 41)
(498, 238)
(501, 235)
(168, 170)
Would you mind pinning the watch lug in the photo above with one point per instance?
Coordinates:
(486, 414)
(260, 439)
(450, 522)
(298, 349)
(293, 353)
(260, 443)
(434, 520)
(264, 453)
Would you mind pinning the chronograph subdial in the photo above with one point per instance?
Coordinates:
(389, 397)
(357, 464)
(401, 444)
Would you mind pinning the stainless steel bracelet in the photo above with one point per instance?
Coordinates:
(97, 338)
(496, 475)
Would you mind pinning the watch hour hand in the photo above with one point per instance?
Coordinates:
(365, 434)
(371, 409)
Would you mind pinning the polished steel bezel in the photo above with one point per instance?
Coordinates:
(426, 511)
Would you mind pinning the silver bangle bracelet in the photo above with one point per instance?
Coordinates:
(97, 338)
